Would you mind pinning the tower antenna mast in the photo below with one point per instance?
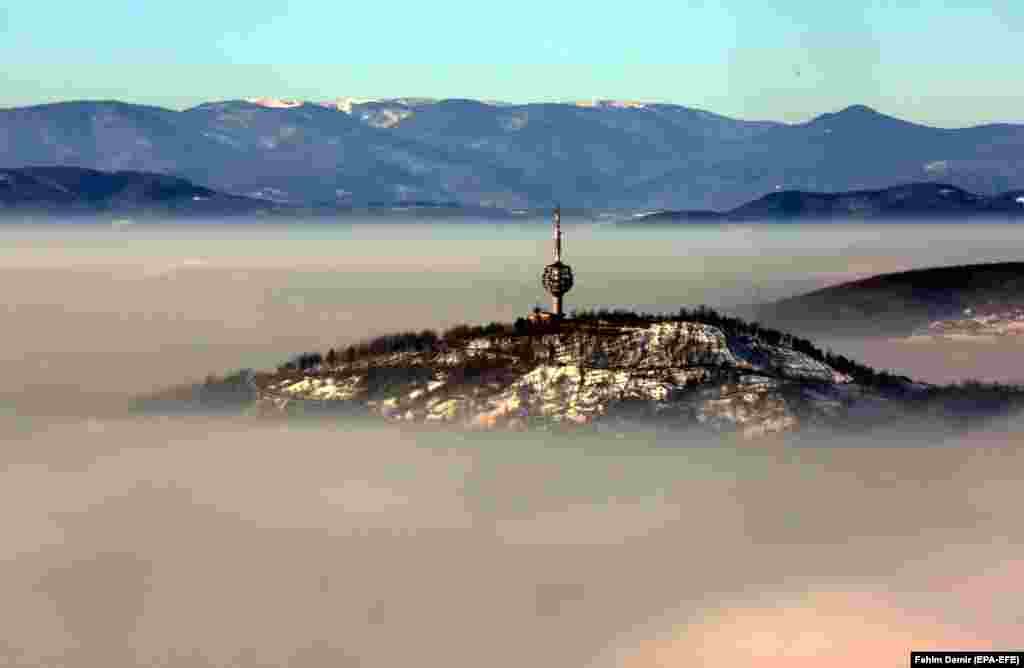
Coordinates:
(558, 234)
(557, 278)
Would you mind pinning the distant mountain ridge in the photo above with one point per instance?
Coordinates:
(927, 201)
(74, 190)
(48, 193)
(603, 154)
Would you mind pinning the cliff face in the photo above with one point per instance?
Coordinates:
(676, 375)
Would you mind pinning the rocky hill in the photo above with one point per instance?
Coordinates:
(674, 374)
(595, 155)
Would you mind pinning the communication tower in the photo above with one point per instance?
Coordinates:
(557, 277)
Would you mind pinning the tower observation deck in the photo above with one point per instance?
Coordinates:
(557, 278)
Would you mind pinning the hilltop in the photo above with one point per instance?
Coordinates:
(607, 371)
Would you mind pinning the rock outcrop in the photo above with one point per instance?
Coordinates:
(675, 375)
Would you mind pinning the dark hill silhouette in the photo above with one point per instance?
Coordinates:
(912, 201)
(61, 191)
(916, 200)
(898, 303)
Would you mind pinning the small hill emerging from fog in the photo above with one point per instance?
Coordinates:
(74, 191)
(697, 370)
(899, 303)
(915, 201)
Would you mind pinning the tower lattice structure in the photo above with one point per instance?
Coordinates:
(557, 278)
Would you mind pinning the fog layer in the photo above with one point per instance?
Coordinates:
(221, 542)
(217, 543)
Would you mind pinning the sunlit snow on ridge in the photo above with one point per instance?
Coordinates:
(274, 103)
(613, 104)
(345, 103)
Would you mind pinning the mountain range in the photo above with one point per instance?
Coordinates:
(605, 154)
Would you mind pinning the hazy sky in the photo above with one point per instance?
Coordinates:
(944, 62)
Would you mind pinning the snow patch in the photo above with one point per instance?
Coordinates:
(222, 139)
(272, 194)
(274, 103)
(611, 104)
(385, 118)
(413, 101)
(345, 103)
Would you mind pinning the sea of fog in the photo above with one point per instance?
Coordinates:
(199, 542)
(95, 312)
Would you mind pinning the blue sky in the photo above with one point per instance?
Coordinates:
(944, 62)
